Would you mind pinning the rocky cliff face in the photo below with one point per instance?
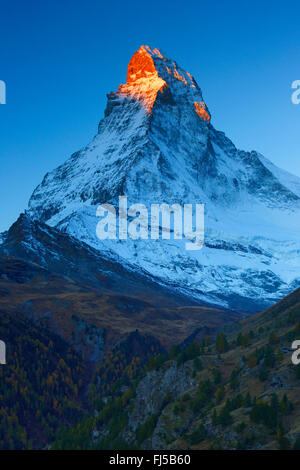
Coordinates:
(156, 144)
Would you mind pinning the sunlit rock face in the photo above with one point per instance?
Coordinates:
(143, 81)
(150, 73)
(156, 144)
(200, 108)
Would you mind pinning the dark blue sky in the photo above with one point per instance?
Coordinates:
(60, 58)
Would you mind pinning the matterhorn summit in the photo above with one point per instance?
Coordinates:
(156, 144)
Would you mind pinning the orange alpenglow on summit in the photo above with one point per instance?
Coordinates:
(143, 82)
(150, 73)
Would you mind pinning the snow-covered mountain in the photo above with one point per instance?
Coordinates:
(156, 144)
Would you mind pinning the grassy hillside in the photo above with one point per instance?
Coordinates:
(234, 388)
(235, 391)
(55, 301)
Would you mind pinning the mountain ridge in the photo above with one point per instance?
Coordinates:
(54, 279)
(237, 390)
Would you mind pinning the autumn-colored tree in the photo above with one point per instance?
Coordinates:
(273, 338)
(221, 343)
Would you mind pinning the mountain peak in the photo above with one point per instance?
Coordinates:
(143, 81)
(155, 145)
(150, 72)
